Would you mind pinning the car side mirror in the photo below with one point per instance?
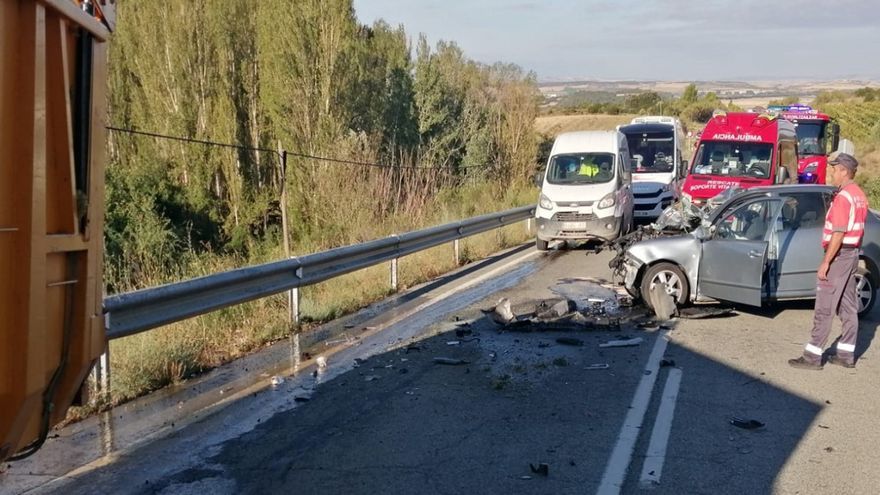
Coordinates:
(683, 168)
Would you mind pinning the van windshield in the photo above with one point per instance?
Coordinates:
(811, 138)
(581, 168)
(651, 152)
(733, 159)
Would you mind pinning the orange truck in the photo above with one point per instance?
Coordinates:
(53, 55)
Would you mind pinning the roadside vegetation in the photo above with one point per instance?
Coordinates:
(381, 138)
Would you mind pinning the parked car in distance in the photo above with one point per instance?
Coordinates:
(761, 245)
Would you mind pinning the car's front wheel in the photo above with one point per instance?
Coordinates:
(669, 275)
(866, 291)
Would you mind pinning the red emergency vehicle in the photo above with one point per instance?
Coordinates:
(741, 149)
(817, 136)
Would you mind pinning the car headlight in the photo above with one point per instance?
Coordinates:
(606, 202)
(666, 188)
(545, 202)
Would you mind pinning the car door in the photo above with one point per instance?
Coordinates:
(799, 234)
(734, 257)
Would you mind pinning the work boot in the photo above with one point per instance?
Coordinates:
(803, 364)
(839, 361)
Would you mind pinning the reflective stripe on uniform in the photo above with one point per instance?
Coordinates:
(813, 349)
(846, 347)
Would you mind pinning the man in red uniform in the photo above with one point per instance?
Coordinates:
(836, 285)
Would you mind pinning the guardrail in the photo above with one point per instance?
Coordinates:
(134, 312)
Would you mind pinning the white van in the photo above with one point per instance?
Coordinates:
(586, 190)
(655, 145)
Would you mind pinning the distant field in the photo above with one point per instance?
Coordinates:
(552, 125)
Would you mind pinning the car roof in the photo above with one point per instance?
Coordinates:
(781, 189)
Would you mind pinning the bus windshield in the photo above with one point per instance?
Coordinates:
(652, 152)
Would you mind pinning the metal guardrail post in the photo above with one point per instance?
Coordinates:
(394, 274)
(293, 304)
(529, 225)
(101, 378)
(456, 247)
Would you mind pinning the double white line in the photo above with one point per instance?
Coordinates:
(621, 456)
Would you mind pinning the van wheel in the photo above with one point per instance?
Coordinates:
(541, 244)
(866, 291)
(669, 274)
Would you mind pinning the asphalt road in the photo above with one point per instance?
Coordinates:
(397, 422)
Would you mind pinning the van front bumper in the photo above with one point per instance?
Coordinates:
(585, 227)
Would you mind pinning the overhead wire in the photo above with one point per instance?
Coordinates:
(288, 153)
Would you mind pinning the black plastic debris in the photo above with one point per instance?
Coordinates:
(543, 468)
(667, 362)
(462, 332)
(570, 341)
(413, 347)
(301, 399)
(696, 312)
(449, 361)
(746, 424)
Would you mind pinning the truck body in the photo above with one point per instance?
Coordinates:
(586, 188)
(817, 134)
(658, 167)
(742, 150)
(53, 55)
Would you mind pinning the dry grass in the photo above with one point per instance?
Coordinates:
(551, 125)
(148, 361)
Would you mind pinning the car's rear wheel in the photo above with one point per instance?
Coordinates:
(866, 291)
(670, 275)
(540, 244)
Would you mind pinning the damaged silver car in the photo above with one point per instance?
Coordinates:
(760, 245)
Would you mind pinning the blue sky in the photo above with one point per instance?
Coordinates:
(647, 40)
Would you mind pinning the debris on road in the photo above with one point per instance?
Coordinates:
(622, 343)
(662, 301)
(301, 399)
(276, 380)
(704, 312)
(501, 313)
(371, 378)
(570, 341)
(667, 362)
(746, 424)
(449, 361)
(453, 342)
(322, 362)
(543, 468)
(597, 366)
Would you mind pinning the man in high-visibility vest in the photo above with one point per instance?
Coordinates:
(836, 284)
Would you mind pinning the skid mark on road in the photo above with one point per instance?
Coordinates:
(615, 470)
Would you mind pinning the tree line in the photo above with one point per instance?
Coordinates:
(308, 78)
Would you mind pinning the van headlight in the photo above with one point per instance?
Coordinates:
(545, 202)
(606, 202)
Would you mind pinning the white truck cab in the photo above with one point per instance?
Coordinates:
(655, 144)
(586, 189)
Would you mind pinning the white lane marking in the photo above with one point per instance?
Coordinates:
(615, 470)
(656, 454)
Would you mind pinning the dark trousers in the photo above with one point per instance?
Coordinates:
(836, 295)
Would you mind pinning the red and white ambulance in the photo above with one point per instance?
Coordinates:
(741, 149)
